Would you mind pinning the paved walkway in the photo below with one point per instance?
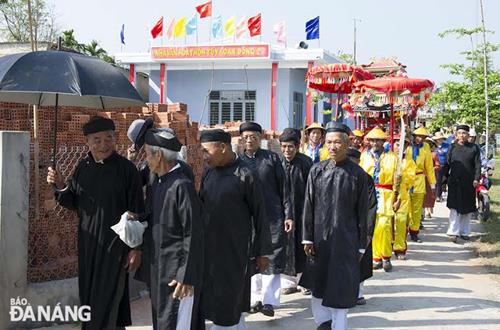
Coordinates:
(440, 286)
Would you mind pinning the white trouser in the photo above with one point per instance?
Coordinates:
(184, 313)
(240, 326)
(288, 281)
(266, 288)
(323, 314)
(459, 223)
(361, 289)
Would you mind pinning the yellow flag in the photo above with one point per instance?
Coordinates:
(230, 27)
(180, 28)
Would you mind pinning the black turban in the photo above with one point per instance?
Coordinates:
(333, 126)
(154, 139)
(290, 135)
(215, 135)
(250, 126)
(98, 124)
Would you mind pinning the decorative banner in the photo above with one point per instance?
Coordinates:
(230, 27)
(255, 25)
(192, 25)
(210, 52)
(157, 29)
(170, 29)
(242, 27)
(205, 10)
(180, 28)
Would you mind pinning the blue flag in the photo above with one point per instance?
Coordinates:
(122, 34)
(312, 29)
(217, 27)
(192, 25)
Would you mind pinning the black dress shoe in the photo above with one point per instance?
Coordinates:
(386, 264)
(325, 325)
(288, 291)
(414, 238)
(267, 310)
(465, 238)
(361, 301)
(255, 308)
(377, 264)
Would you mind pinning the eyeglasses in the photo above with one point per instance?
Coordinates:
(249, 137)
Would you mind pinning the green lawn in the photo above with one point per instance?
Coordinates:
(489, 244)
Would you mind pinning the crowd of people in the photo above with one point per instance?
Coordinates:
(319, 217)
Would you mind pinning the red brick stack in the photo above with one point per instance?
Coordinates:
(52, 237)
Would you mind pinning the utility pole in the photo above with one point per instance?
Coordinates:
(30, 19)
(485, 64)
(354, 52)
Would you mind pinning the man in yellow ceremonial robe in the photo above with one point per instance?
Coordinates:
(408, 169)
(382, 166)
(420, 153)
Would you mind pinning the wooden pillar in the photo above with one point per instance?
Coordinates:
(309, 100)
(162, 83)
(274, 77)
(131, 74)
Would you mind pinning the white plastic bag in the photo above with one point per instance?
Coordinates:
(130, 231)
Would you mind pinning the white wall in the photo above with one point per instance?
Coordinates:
(192, 86)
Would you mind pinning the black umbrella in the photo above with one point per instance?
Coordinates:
(54, 78)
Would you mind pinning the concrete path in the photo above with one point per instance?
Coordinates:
(440, 286)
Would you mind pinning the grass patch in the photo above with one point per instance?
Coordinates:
(488, 247)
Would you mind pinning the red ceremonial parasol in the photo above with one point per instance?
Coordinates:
(336, 78)
(394, 87)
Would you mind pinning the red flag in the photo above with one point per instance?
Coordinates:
(205, 10)
(254, 25)
(157, 30)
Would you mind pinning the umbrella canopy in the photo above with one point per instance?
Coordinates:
(78, 80)
(53, 78)
(395, 85)
(336, 77)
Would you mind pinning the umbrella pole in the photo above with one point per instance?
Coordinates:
(391, 126)
(36, 159)
(337, 109)
(54, 153)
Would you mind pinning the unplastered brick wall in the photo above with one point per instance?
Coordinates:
(52, 246)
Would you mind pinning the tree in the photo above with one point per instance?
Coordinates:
(14, 23)
(462, 101)
(346, 58)
(69, 42)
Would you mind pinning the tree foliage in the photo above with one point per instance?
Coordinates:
(93, 48)
(462, 101)
(346, 58)
(14, 21)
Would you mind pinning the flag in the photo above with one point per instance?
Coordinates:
(122, 34)
(229, 28)
(312, 29)
(217, 27)
(180, 28)
(280, 31)
(205, 10)
(170, 29)
(157, 30)
(192, 25)
(242, 27)
(254, 25)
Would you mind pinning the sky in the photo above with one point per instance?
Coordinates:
(405, 29)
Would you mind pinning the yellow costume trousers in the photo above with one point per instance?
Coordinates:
(382, 238)
(400, 233)
(417, 202)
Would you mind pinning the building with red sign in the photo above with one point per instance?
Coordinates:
(231, 82)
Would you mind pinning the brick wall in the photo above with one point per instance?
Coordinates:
(52, 250)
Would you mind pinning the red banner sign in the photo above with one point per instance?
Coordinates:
(210, 52)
